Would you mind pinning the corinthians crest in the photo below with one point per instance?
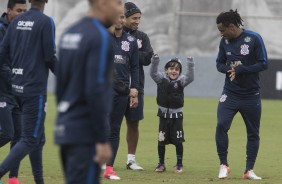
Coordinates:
(125, 46)
(139, 42)
(223, 98)
(161, 136)
(245, 49)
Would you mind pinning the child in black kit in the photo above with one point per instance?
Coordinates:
(170, 100)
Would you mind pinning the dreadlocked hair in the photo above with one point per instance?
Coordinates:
(230, 17)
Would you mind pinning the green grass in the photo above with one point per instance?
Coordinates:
(200, 158)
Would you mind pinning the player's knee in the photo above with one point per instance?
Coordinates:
(253, 137)
(161, 143)
(133, 126)
(4, 141)
(221, 126)
(5, 138)
(31, 142)
(114, 135)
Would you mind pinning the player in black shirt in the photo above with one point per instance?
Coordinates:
(145, 52)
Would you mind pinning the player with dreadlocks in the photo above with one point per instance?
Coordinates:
(242, 55)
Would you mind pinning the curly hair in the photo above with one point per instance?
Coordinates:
(230, 17)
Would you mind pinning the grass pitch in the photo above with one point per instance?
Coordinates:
(200, 159)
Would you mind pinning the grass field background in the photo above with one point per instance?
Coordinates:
(200, 159)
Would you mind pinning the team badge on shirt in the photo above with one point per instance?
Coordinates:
(161, 136)
(248, 39)
(139, 42)
(175, 85)
(226, 42)
(245, 49)
(223, 98)
(125, 46)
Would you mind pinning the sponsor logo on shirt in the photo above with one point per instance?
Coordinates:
(245, 49)
(19, 89)
(25, 25)
(139, 42)
(119, 59)
(71, 41)
(17, 71)
(248, 39)
(3, 104)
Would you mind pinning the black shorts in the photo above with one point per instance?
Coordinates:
(136, 114)
(171, 131)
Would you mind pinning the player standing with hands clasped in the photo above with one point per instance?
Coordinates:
(170, 99)
(242, 55)
(126, 80)
(145, 52)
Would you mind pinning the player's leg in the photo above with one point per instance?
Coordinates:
(162, 141)
(251, 113)
(177, 138)
(6, 122)
(133, 116)
(77, 168)
(227, 108)
(35, 158)
(17, 119)
(116, 117)
(33, 109)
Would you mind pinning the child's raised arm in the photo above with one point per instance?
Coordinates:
(189, 76)
(155, 74)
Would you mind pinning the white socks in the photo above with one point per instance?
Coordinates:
(130, 157)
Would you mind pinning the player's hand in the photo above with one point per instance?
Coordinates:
(103, 153)
(235, 64)
(133, 102)
(232, 73)
(155, 58)
(190, 61)
(133, 92)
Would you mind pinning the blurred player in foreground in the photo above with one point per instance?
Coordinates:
(84, 93)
